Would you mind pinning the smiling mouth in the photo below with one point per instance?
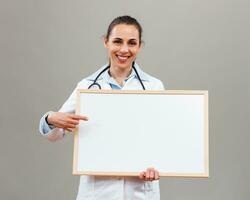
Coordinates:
(122, 58)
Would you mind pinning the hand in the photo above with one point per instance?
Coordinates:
(66, 121)
(151, 174)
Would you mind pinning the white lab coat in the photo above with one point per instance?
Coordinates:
(109, 188)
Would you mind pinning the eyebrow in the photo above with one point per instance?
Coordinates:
(129, 39)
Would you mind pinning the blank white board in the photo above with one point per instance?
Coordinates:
(129, 131)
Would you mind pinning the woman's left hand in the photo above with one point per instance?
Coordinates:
(150, 174)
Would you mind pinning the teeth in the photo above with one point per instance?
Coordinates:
(122, 58)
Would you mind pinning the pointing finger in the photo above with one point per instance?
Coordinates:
(80, 117)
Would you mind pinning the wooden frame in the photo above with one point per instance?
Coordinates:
(205, 171)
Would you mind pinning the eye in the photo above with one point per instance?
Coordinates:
(132, 43)
(117, 41)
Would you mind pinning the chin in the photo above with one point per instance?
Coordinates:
(124, 65)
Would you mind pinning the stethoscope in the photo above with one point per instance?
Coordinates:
(106, 68)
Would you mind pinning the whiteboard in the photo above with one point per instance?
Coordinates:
(129, 131)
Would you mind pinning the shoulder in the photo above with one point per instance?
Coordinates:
(155, 84)
(152, 82)
(85, 82)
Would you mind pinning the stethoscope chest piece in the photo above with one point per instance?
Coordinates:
(95, 86)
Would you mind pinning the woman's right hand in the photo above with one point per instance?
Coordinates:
(64, 120)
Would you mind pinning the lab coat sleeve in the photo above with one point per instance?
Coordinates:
(53, 133)
(157, 85)
(161, 86)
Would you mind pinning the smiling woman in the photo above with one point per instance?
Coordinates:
(123, 43)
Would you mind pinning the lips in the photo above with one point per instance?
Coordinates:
(121, 58)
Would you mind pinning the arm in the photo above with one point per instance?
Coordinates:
(59, 122)
(50, 132)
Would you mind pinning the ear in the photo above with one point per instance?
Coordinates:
(142, 44)
(105, 41)
(140, 47)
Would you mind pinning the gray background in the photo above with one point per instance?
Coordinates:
(47, 46)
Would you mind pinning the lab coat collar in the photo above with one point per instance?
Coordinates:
(143, 75)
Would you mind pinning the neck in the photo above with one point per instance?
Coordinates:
(119, 74)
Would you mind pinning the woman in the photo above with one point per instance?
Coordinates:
(123, 43)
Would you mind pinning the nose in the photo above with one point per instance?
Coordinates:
(124, 48)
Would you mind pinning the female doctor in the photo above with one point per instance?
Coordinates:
(123, 43)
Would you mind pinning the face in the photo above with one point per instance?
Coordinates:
(123, 46)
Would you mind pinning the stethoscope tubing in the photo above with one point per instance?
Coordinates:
(106, 68)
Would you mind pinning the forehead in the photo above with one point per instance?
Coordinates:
(125, 31)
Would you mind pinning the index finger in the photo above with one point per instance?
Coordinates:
(80, 117)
